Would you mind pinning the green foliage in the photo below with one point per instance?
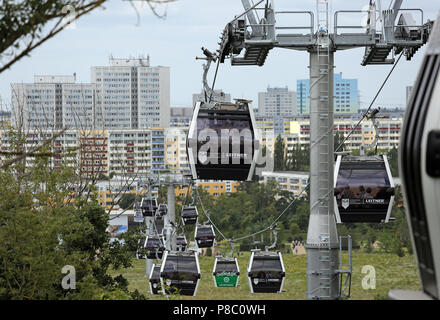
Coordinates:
(279, 161)
(41, 232)
(298, 159)
(127, 201)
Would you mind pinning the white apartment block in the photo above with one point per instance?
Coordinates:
(217, 96)
(388, 133)
(277, 102)
(127, 94)
(176, 158)
(292, 181)
(134, 94)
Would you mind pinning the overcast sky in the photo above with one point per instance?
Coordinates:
(191, 24)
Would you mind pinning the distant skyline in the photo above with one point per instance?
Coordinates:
(175, 41)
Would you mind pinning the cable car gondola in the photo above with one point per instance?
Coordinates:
(215, 127)
(154, 247)
(162, 209)
(364, 189)
(266, 272)
(204, 236)
(180, 273)
(154, 281)
(149, 207)
(181, 243)
(189, 215)
(226, 272)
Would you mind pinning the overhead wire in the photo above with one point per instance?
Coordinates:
(371, 104)
(270, 226)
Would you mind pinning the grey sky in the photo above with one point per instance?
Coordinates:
(191, 24)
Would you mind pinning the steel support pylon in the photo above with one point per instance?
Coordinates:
(171, 234)
(322, 239)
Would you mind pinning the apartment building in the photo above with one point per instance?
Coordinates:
(126, 94)
(346, 95)
(291, 181)
(218, 96)
(134, 94)
(277, 102)
(388, 133)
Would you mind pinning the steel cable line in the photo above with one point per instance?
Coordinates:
(371, 104)
(207, 215)
(232, 240)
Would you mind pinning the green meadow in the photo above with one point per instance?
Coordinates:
(392, 272)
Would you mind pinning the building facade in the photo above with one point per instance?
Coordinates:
(134, 94)
(218, 96)
(127, 94)
(346, 95)
(277, 102)
(180, 116)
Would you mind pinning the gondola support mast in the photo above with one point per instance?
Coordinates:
(256, 37)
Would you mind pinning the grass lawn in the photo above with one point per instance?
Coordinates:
(392, 272)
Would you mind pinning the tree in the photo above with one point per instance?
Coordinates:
(127, 201)
(279, 161)
(27, 24)
(41, 233)
(338, 140)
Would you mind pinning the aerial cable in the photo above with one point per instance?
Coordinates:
(213, 81)
(275, 221)
(207, 215)
(232, 240)
(371, 104)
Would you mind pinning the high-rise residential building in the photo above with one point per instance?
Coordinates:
(277, 102)
(346, 95)
(127, 94)
(180, 116)
(53, 102)
(134, 95)
(408, 93)
(217, 96)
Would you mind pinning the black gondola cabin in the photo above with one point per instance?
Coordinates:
(266, 272)
(204, 236)
(364, 189)
(180, 273)
(189, 215)
(149, 207)
(223, 141)
(181, 243)
(154, 247)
